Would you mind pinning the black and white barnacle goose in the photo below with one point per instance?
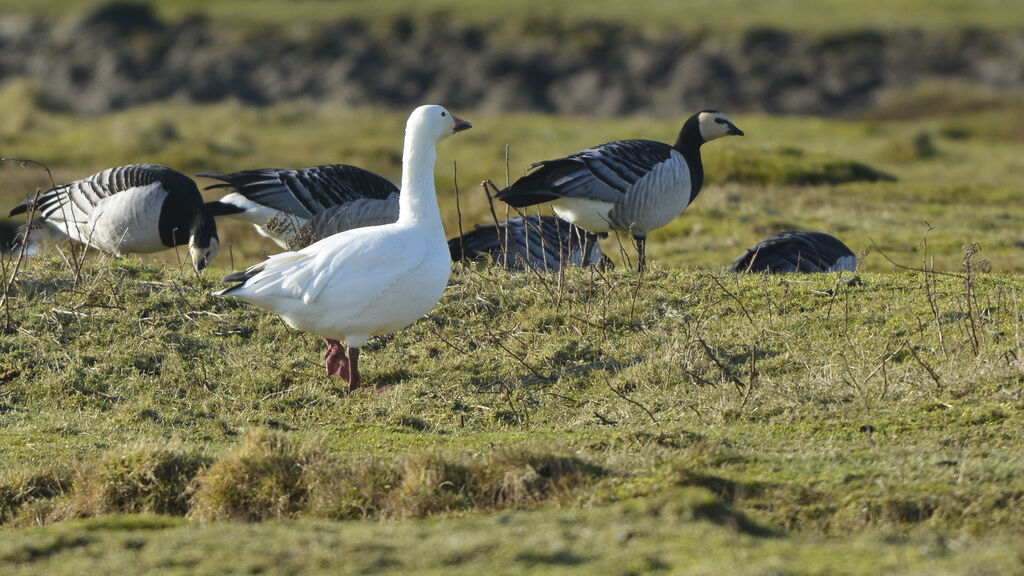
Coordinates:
(298, 207)
(137, 208)
(797, 252)
(545, 243)
(630, 185)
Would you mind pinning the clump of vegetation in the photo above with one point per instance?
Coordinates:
(269, 476)
(787, 166)
(21, 488)
(146, 477)
(264, 477)
(921, 146)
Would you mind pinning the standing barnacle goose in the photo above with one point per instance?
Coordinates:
(545, 243)
(797, 252)
(630, 185)
(137, 208)
(295, 208)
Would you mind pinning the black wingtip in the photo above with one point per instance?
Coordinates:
(218, 208)
(241, 277)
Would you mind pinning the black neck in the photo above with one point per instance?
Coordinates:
(688, 144)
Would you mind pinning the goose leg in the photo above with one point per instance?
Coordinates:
(641, 245)
(336, 362)
(353, 362)
(588, 246)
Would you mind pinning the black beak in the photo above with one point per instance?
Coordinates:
(460, 124)
(734, 131)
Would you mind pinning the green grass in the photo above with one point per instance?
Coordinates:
(808, 422)
(694, 422)
(657, 16)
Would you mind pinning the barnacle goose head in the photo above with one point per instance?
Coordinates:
(203, 243)
(435, 122)
(713, 124)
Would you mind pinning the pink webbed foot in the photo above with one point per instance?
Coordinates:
(336, 360)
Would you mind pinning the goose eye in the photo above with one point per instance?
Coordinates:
(443, 114)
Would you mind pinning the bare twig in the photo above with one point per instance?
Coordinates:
(620, 394)
(935, 377)
(8, 284)
(487, 185)
(733, 296)
(911, 268)
(740, 386)
(969, 251)
(517, 358)
(458, 210)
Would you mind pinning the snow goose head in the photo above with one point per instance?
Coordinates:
(713, 124)
(434, 123)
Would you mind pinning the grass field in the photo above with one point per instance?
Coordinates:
(694, 422)
(689, 422)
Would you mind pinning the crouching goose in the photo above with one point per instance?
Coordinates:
(630, 185)
(545, 243)
(138, 208)
(298, 207)
(366, 281)
(797, 252)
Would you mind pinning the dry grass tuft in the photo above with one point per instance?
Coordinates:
(21, 490)
(141, 478)
(263, 478)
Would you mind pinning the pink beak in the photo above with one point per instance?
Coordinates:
(460, 124)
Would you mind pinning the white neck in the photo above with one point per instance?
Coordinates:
(417, 204)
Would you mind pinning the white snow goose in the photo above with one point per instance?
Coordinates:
(797, 252)
(138, 208)
(545, 243)
(298, 207)
(630, 185)
(366, 281)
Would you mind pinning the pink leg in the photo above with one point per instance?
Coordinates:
(336, 361)
(353, 359)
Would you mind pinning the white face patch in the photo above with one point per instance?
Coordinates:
(201, 258)
(715, 125)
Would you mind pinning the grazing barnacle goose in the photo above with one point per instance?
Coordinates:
(295, 208)
(545, 243)
(365, 281)
(137, 208)
(797, 252)
(630, 185)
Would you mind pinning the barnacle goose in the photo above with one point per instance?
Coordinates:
(545, 243)
(630, 185)
(298, 207)
(797, 252)
(137, 208)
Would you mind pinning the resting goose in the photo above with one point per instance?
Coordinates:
(797, 252)
(295, 208)
(544, 243)
(366, 281)
(138, 208)
(630, 185)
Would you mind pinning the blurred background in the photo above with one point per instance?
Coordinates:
(879, 122)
